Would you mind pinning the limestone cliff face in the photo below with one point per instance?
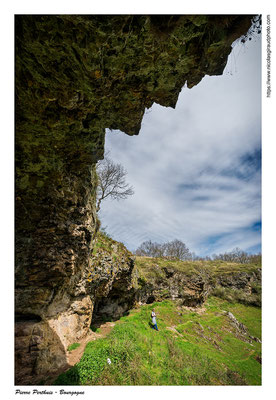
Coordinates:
(111, 279)
(76, 76)
(168, 283)
(190, 283)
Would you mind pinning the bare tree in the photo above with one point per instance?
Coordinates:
(151, 249)
(177, 249)
(145, 249)
(237, 255)
(111, 182)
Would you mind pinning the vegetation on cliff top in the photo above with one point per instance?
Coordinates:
(178, 250)
(192, 347)
(215, 267)
(226, 280)
(107, 255)
(232, 281)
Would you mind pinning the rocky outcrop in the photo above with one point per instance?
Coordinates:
(244, 286)
(190, 283)
(239, 280)
(168, 283)
(242, 331)
(76, 76)
(111, 279)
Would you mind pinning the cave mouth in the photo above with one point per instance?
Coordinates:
(150, 300)
(110, 308)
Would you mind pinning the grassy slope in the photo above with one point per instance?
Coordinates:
(147, 266)
(198, 349)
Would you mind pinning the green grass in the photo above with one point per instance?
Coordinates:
(106, 243)
(150, 268)
(198, 349)
(148, 265)
(73, 346)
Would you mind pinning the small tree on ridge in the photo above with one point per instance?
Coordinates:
(111, 182)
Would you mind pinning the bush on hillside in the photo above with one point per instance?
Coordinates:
(238, 295)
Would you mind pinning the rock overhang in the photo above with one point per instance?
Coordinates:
(77, 75)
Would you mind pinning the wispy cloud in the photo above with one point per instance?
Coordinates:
(196, 169)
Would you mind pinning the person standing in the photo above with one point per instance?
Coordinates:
(153, 320)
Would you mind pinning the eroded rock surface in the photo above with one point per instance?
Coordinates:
(76, 76)
(190, 283)
(168, 283)
(111, 279)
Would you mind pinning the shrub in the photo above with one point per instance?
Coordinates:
(238, 295)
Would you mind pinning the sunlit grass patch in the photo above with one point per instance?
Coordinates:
(73, 346)
(190, 348)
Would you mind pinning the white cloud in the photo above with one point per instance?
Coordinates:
(186, 165)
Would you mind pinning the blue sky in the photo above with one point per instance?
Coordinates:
(196, 169)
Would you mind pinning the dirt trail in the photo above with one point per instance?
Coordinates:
(74, 356)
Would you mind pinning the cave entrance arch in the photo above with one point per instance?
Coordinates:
(112, 307)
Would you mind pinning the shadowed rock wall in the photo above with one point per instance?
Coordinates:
(76, 76)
